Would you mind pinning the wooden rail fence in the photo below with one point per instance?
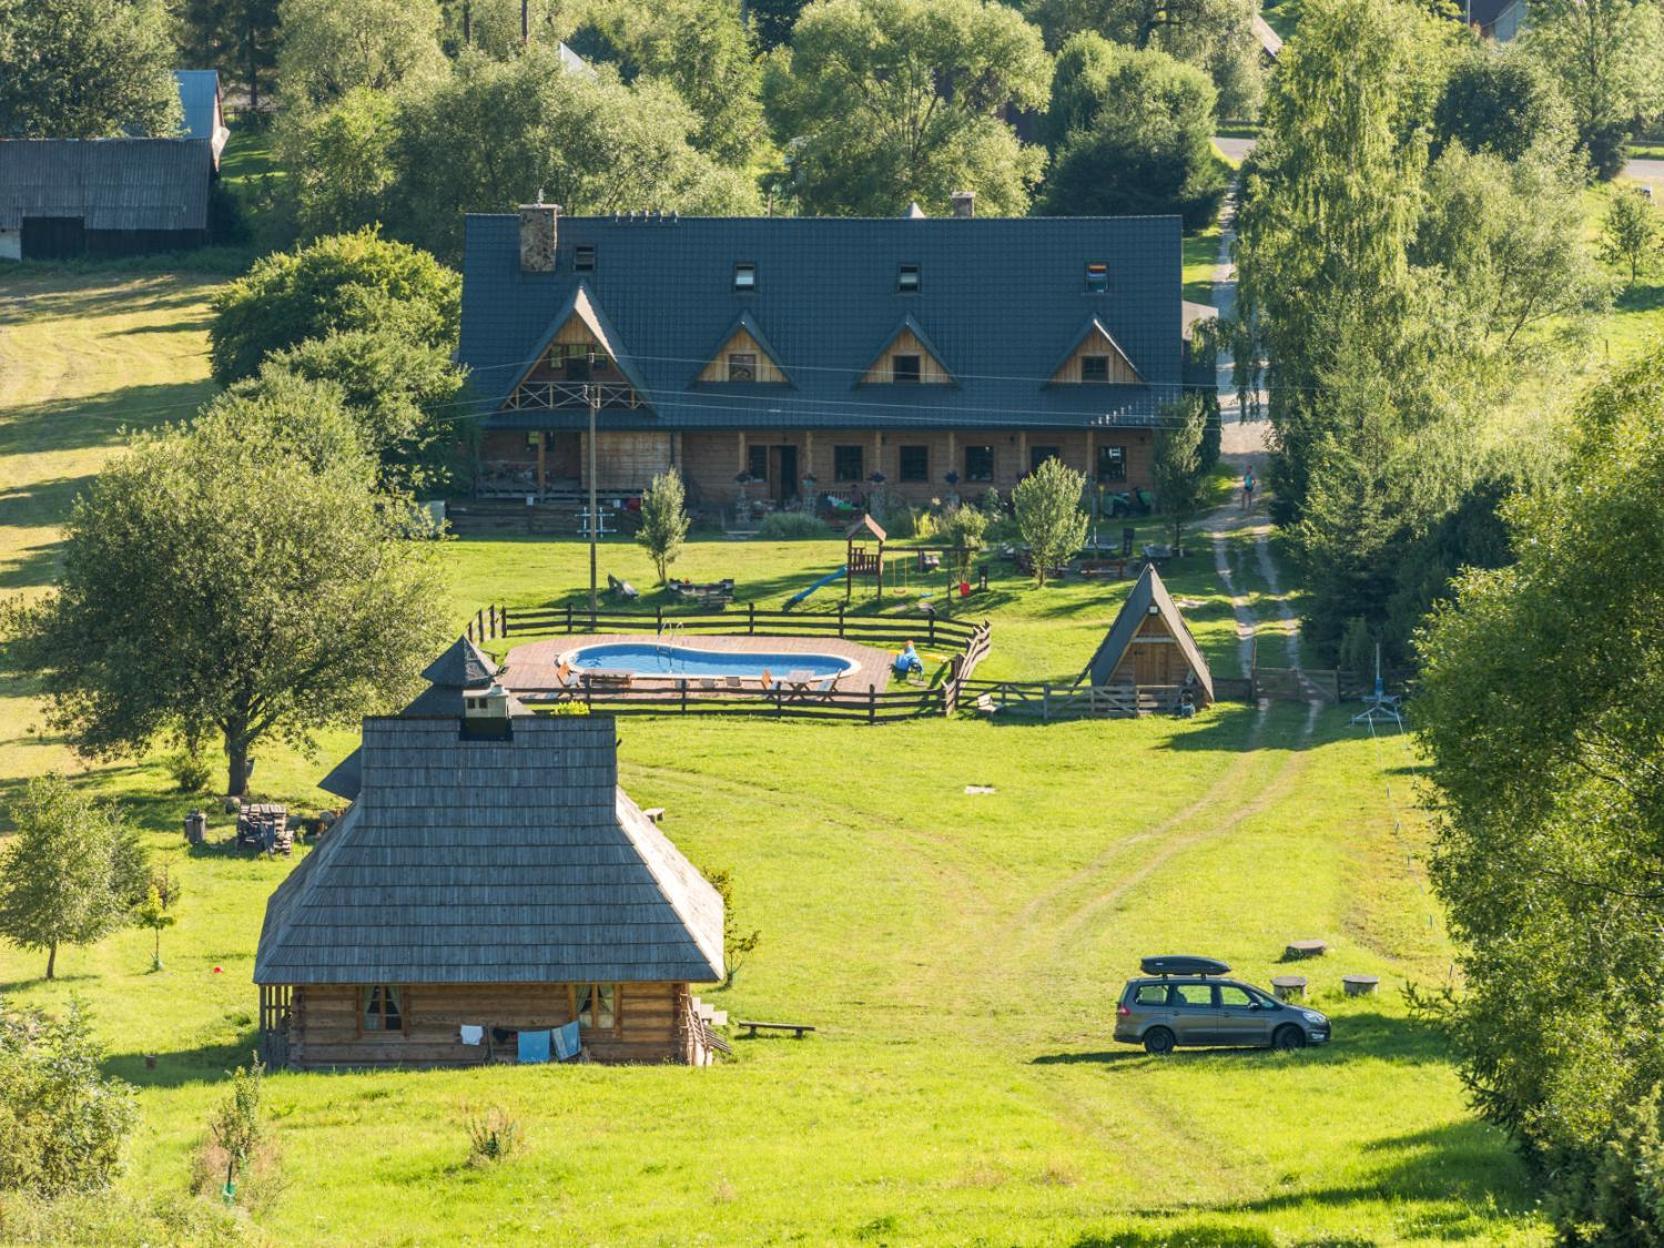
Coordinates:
(1046, 701)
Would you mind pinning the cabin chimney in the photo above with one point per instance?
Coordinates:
(485, 712)
(964, 204)
(537, 236)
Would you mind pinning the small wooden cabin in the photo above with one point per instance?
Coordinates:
(1150, 645)
(490, 877)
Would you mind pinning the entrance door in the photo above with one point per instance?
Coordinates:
(1151, 661)
(784, 473)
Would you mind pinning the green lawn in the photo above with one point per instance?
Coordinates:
(959, 954)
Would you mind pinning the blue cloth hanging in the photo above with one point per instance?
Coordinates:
(534, 1047)
(567, 1043)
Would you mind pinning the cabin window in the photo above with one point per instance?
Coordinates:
(1094, 368)
(1112, 463)
(382, 1008)
(915, 463)
(905, 368)
(846, 463)
(979, 463)
(1038, 455)
(1097, 277)
(907, 279)
(583, 259)
(598, 1006)
(756, 462)
(742, 366)
(745, 275)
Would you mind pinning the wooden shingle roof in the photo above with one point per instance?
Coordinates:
(514, 860)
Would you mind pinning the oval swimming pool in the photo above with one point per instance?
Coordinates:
(643, 658)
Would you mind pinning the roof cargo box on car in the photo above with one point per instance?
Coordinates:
(1183, 964)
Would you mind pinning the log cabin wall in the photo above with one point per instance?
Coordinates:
(326, 1030)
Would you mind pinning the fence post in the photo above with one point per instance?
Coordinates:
(1045, 701)
(569, 619)
(684, 685)
(751, 619)
(930, 630)
(840, 620)
(872, 705)
(470, 630)
(658, 619)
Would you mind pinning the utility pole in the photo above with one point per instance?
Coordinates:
(525, 23)
(467, 26)
(592, 398)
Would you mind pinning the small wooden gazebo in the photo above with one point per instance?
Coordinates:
(1150, 644)
(858, 560)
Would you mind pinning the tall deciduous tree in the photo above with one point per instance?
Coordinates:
(72, 872)
(885, 101)
(664, 521)
(1179, 472)
(331, 46)
(345, 281)
(1539, 712)
(1332, 202)
(1606, 55)
(1216, 36)
(86, 69)
(496, 133)
(339, 162)
(1131, 134)
(1049, 514)
(705, 51)
(1631, 232)
(1501, 99)
(241, 573)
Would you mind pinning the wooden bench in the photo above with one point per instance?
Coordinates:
(752, 1027)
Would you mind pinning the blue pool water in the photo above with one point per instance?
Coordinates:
(651, 659)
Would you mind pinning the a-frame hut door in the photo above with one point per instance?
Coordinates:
(1155, 655)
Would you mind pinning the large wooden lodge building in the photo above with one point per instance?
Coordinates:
(948, 355)
(490, 878)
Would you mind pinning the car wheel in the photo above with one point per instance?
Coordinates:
(1288, 1037)
(1158, 1041)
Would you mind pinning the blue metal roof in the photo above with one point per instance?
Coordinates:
(1000, 301)
(199, 92)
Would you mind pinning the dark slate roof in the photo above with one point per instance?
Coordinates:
(115, 184)
(199, 94)
(492, 861)
(463, 666)
(1149, 590)
(1001, 300)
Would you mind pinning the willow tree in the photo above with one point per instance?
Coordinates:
(241, 577)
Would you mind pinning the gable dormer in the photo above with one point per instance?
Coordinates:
(907, 358)
(744, 358)
(1095, 359)
(560, 369)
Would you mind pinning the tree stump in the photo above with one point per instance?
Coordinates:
(1296, 950)
(196, 827)
(1288, 987)
(1360, 985)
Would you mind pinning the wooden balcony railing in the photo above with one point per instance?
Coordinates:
(549, 395)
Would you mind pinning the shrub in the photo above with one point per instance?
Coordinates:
(791, 526)
(82, 1220)
(664, 521)
(189, 768)
(1050, 515)
(62, 1122)
(965, 529)
(235, 1132)
(493, 1135)
(737, 945)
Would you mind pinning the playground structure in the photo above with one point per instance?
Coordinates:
(861, 561)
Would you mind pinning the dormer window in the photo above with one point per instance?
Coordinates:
(742, 366)
(907, 279)
(1097, 277)
(583, 259)
(1094, 368)
(905, 369)
(745, 275)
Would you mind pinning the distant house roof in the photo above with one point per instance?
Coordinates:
(114, 184)
(999, 300)
(199, 96)
(572, 63)
(512, 860)
(1271, 43)
(1149, 592)
(1499, 19)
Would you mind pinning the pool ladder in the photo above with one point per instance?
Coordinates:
(668, 639)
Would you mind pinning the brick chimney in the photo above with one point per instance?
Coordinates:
(964, 204)
(537, 237)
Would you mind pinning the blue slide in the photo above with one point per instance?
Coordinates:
(804, 593)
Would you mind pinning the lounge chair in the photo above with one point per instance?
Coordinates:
(985, 704)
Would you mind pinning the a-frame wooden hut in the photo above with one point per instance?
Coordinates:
(489, 879)
(1150, 644)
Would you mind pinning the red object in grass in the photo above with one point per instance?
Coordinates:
(216, 970)
(964, 589)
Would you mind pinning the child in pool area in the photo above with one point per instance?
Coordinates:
(908, 662)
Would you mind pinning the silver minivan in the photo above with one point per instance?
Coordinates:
(1162, 1012)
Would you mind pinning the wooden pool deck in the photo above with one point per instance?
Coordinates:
(531, 669)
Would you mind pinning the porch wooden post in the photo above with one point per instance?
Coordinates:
(877, 450)
(542, 462)
(953, 456)
(741, 466)
(1022, 454)
(1091, 457)
(808, 455)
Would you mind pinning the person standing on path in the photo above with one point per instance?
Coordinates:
(1248, 489)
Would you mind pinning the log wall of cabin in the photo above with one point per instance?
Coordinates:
(325, 1027)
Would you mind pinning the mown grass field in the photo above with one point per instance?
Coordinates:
(959, 954)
